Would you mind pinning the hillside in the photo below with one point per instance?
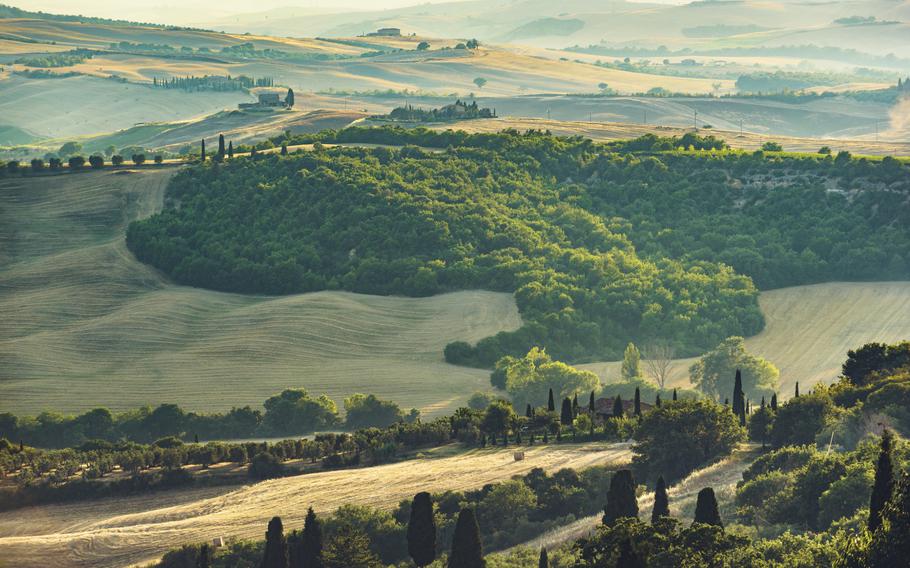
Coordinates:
(110, 331)
(123, 532)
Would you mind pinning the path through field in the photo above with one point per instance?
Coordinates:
(722, 476)
(86, 325)
(122, 532)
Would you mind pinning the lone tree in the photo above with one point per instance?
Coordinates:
(221, 150)
(276, 548)
(480, 82)
(565, 416)
(618, 411)
(674, 395)
(621, 500)
(467, 550)
(284, 149)
(202, 153)
(423, 46)
(422, 530)
(543, 561)
(706, 508)
(551, 404)
(231, 149)
(661, 501)
(289, 99)
(637, 405)
(884, 482)
(631, 363)
(737, 393)
(529, 412)
(659, 361)
(309, 547)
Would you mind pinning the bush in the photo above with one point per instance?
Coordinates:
(117, 160)
(76, 162)
(96, 161)
(265, 465)
(138, 159)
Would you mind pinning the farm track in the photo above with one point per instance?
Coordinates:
(87, 325)
(123, 532)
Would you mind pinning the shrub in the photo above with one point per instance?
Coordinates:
(265, 465)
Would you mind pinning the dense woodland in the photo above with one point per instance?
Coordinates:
(639, 240)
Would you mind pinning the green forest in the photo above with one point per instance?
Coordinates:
(641, 240)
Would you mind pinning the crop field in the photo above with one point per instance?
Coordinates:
(87, 325)
(123, 532)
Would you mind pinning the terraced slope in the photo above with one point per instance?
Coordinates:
(123, 532)
(85, 324)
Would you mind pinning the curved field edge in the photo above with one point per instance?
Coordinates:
(123, 532)
(87, 325)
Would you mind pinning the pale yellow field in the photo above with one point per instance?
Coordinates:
(122, 532)
(87, 325)
(607, 131)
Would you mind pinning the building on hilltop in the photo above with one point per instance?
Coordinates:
(389, 32)
(265, 101)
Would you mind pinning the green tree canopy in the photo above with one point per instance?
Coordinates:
(714, 373)
(529, 379)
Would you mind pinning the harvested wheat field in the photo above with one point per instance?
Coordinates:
(87, 325)
(127, 531)
(809, 330)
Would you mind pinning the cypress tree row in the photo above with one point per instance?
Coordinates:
(276, 549)
(617, 407)
(467, 550)
(422, 530)
(543, 561)
(621, 500)
(706, 508)
(883, 487)
(551, 404)
(637, 403)
(565, 416)
(661, 501)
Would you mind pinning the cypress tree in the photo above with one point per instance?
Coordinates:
(617, 407)
(221, 150)
(674, 394)
(637, 406)
(551, 404)
(774, 402)
(546, 437)
(309, 546)
(531, 439)
(276, 548)
(661, 501)
(737, 393)
(565, 416)
(289, 98)
(706, 508)
(575, 406)
(467, 550)
(284, 149)
(202, 155)
(762, 402)
(657, 400)
(231, 149)
(422, 530)
(558, 433)
(884, 482)
(628, 558)
(591, 406)
(205, 557)
(529, 413)
(621, 500)
(797, 389)
(726, 402)
(543, 561)
(890, 544)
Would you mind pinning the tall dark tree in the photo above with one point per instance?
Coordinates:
(774, 402)
(674, 394)
(551, 404)
(529, 412)
(621, 500)
(661, 501)
(706, 508)
(575, 406)
(738, 393)
(467, 550)
(565, 416)
(204, 560)
(657, 402)
(231, 149)
(884, 482)
(309, 546)
(422, 530)
(289, 98)
(284, 149)
(543, 561)
(628, 558)
(890, 544)
(637, 403)
(221, 149)
(797, 390)
(202, 153)
(762, 402)
(591, 406)
(618, 411)
(276, 547)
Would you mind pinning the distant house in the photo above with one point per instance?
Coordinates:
(603, 408)
(389, 32)
(266, 100)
